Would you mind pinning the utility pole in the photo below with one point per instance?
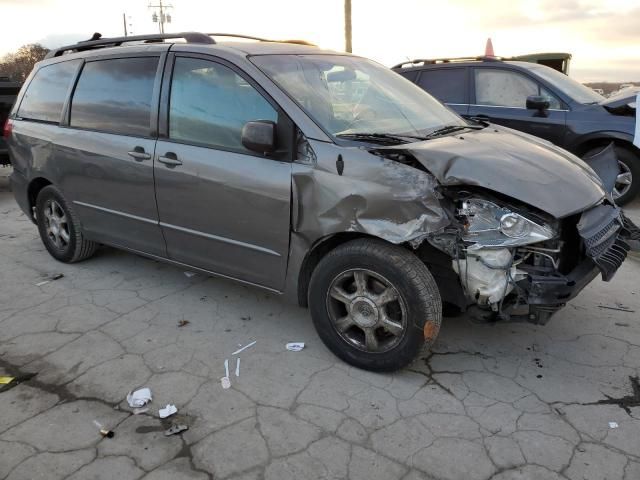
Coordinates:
(124, 23)
(162, 17)
(347, 25)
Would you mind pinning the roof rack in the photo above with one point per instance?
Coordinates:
(432, 61)
(96, 41)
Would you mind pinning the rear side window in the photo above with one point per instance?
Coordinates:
(114, 96)
(449, 85)
(47, 92)
(210, 104)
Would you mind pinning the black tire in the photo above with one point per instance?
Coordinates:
(418, 299)
(76, 247)
(631, 163)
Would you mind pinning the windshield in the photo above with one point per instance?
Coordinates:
(348, 95)
(569, 86)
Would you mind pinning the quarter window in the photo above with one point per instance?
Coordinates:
(449, 85)
(115, 95)
(508, 89)
(47, 92)
(210, 104)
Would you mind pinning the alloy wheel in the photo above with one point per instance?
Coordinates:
(56, 225)
(623, 181)
(366, 310)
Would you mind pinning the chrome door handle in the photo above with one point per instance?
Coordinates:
(139, 154)
(170, 160)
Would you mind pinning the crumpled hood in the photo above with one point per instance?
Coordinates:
(515, 164)
(626, 96)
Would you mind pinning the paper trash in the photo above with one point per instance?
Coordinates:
(295, 346)
(139, 398)
(167, 411)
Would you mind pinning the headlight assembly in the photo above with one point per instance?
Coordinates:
(488, 225)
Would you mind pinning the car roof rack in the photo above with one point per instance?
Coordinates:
(96, 41)
(432, 61)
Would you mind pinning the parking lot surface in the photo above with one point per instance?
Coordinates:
(503, 401)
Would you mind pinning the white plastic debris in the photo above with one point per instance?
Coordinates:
(190, 274)
(225, 381)
(613, 425)
(167, 411)
(295, 346)
(139, 398)
(238, 367)
(244, 348)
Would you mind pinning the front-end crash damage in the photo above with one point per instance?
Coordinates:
(519, 260)
(520, 264)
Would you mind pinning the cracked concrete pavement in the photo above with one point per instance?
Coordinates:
(505, 401)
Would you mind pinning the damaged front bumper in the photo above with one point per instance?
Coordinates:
(540, 279)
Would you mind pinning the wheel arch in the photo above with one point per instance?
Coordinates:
(602, 139)
(318, 250)
(33, 189)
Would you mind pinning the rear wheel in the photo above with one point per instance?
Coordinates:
(374, 305)
(60, 229)
(628, 182)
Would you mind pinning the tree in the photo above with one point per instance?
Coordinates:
(19, 64)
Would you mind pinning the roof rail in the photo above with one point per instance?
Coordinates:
(431, 61)
(97, 42)
(236, 35)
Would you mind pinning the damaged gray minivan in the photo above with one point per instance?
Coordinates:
(319, 175)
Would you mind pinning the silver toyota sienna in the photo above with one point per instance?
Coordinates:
(319, 175)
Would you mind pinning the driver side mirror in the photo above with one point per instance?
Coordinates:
(537, 102)
(259, 136)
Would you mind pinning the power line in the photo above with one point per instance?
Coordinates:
(161, 17)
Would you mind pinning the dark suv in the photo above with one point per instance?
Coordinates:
(319, 175)
(8, 94)
(538, 100)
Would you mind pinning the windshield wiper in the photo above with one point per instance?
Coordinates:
(381, 137)
(452, 128)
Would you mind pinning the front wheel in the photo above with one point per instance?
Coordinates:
(374, 305)
(627, 183)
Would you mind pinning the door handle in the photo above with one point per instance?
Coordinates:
(139, 154)
(170, 160)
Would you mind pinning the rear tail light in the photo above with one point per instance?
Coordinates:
(8, 128)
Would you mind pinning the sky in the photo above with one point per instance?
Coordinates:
(603, 36)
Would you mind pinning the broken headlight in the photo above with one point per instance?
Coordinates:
(488, 225)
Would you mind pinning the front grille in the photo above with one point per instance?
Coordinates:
(600, 229)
